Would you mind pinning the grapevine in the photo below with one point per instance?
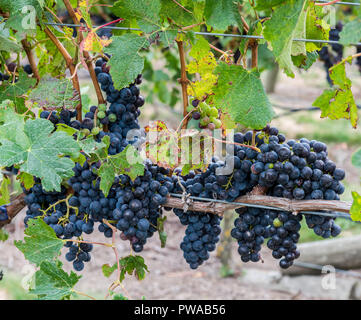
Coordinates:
(87, 167)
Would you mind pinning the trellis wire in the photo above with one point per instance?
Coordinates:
(308, 265)
(289, 111)
(208, 34)
(333, 214)
(327, 214)
(340, 3)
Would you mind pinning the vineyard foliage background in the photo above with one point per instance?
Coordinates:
(216, 71)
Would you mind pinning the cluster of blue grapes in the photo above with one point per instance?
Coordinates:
(37, 199)
(78, 254)
(284, 236)
(133, 207)
(251, 229)
(139, 204)
(203, 229)
(294, 170)
(201, 235)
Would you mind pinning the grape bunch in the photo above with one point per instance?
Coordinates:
(208, 116)
(139, 204)
(79, 213)
(250, 230)
(201, 235)
(78, 254)
(284, 236)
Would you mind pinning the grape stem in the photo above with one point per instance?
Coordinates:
(184, 82)
(84, 294)
(185, 9)
(117, 282)
(70, 64)
(88, 59)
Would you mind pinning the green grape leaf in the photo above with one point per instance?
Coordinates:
(356, 158)
(221, 13)
(14, 91)
(52, 94)
(288, 21)
(107, 175)
(108, 270)
(167, 36)
(40, 242)
(119, 296)
(179, 15)
(12, 123)
(27, 180)
(338, 103)
(23, 14)
(316, 27)
(240, 93)
(355, 210)
(4, 191)
(101, 153)
(351, 32)
(305, 62)
(133, 265)
(53, 283)
(3, 235)
(126, 63)
(40, 152)
(8, 45)
(267, 4)
(146, 12)
(127, 162)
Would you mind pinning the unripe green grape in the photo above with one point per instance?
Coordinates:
(102, 107)
(95, 131)
(85, 131)
(212, 119)
(112, 117)
(213, 112)
(277, 223)
(204, 121)
(205, 108)
(101, 115)
(218, 123)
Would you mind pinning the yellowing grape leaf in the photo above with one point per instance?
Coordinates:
(338, 102)
(355, 210)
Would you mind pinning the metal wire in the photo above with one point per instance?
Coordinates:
(334, 214)
(289, 111)
(308, 265)
(341, 3)
(209, 34)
